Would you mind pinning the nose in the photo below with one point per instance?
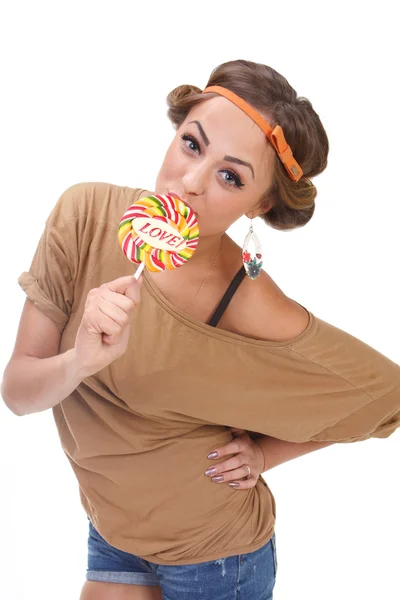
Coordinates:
(194, 180)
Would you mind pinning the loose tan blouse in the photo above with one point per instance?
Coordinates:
(137, 433)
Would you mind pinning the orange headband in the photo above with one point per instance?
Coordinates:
(275, 136)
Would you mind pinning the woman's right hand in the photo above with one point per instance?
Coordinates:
(104, 331)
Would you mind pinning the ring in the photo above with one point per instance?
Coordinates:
(249, 470)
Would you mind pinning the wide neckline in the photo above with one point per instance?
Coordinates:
(209, 330)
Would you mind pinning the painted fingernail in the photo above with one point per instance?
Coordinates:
(211, 471)
(213, 454)
(233, 484)
(218, 479)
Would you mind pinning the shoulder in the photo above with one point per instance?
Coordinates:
(98, 201)
(261, 310)
(71, 203)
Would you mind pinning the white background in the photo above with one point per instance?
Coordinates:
(83, 99)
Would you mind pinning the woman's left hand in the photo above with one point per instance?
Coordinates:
(233, 470)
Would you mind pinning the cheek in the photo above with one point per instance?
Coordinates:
(226, 209)
(173, 164)
(221, 209)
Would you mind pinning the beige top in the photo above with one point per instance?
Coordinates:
(138, 432)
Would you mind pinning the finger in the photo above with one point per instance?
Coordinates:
(227, 465)
(123, 302)
(125, 285)
(97, 320)
(234, 475)
(119, 337)
(113, 312)
(232, 447)
(243, 484)
(236, 432)
(101, 323)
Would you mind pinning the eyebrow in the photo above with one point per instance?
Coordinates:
(228, 158)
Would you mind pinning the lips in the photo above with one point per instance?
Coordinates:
(171, 193)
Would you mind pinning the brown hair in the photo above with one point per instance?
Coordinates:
(293, 203)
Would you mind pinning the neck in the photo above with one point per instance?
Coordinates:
(205, 254)
(203, 258)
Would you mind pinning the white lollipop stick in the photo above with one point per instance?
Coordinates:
(139, 271)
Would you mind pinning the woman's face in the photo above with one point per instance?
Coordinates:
(203, 165)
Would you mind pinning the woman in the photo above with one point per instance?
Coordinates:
(153, 382)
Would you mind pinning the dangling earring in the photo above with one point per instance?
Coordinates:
(252, 260)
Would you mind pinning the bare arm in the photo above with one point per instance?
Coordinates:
(36, 377)
(35, 384)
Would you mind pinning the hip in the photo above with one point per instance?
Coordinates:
(251, 574)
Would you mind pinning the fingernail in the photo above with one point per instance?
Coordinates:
(211, 471)
(213, 454)
(218, 479)
(233, 484)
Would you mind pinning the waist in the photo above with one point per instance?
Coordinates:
(156, 502)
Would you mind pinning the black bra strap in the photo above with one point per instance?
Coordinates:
(236, 281)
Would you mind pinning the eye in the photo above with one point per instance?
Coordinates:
(235, 178)
(189, 138)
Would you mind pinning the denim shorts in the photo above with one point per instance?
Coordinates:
(250, 575)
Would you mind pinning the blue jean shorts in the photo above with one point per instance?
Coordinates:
(250, 575)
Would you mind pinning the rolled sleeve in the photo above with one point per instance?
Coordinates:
(49, 281)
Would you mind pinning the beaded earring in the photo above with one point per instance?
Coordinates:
(252, 259)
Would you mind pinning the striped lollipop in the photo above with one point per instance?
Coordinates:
(160, 232)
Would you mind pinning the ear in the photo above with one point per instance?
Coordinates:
(257, 212)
